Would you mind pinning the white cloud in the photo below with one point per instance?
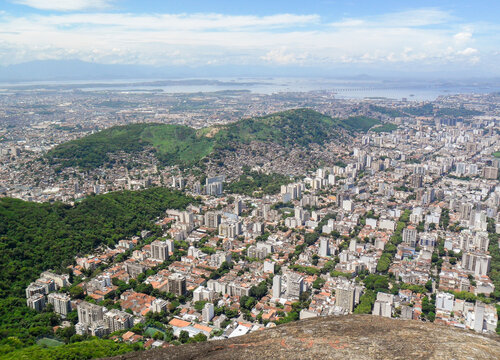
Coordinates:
(410, 18)
(423, 37)
(65, 5)
(282, 57)
(467, 52)
(462, 38)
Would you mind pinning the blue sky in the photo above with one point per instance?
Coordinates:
(454, 36)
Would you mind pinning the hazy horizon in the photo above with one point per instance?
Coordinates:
(456, 39)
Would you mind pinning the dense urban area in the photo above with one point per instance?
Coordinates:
(133, 221)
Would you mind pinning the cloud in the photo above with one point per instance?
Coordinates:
(462, 37)
(66, 5)
(426, 37)
(410, 18)
(282, 57)
(468, 52)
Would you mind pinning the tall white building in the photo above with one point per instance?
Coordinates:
(324, 247)
(61, 303)
(208, 312)
(479, 264)
(277, 287)
(159, 250)
(294, 285)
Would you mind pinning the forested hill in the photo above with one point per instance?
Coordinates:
(178, 144)
(38, 236)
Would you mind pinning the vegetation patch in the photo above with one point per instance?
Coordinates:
(182, 145)
(252, 181)
(384, 128)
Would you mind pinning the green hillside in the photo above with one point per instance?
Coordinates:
(39, 236)
(178, 144)
(359, 123)
(173, 144)
(299, 127)
(426, 110)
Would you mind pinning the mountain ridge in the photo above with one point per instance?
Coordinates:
(179, 144)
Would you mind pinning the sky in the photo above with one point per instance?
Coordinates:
(461, 37)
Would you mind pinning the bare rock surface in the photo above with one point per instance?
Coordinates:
(347, 337)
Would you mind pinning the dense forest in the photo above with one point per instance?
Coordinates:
(387, 127)
(39, 236)
(359, 123)
(252, 181)
(430, 110)
(425, 110)
(182, 145)
(91, 349)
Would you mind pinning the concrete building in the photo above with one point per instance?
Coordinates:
(465, 211)
(134, 269)
(230, 229)
(60, 280)
(416, 181)
(213, 185)
(36, 302)
(159, 305)
(344, 296)
(160, 249)
(202, 293)
(34, 289)
(61, 303)
(208, 312)
(490, 172)
(479, 264)
(116, 320)
(445, 302)
(238, 206)
(212, 219)
(268, 267)
(277, 287)
(294, 285)
(410, 236)
(89, 313)
(177, 284)
(478, 317)
(383, 305)
(324, 247)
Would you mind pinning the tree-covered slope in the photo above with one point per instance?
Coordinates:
(172, 144)
(38, 236)
(299, 127)
(178, 144)
(359, 123)
(91, 349)
(426, 110)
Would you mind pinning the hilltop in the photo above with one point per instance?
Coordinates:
(183, 145)
(344, 337)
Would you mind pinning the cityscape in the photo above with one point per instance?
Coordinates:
(149, 215)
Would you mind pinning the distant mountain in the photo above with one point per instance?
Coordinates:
(69, 70)
(178, 144)
(73, 70)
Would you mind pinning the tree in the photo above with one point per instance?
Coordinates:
(200, 337)
(318, 283)
(184, 336)
(76, 292)
(428, 285)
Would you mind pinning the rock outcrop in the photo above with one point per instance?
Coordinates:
(347, 337)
